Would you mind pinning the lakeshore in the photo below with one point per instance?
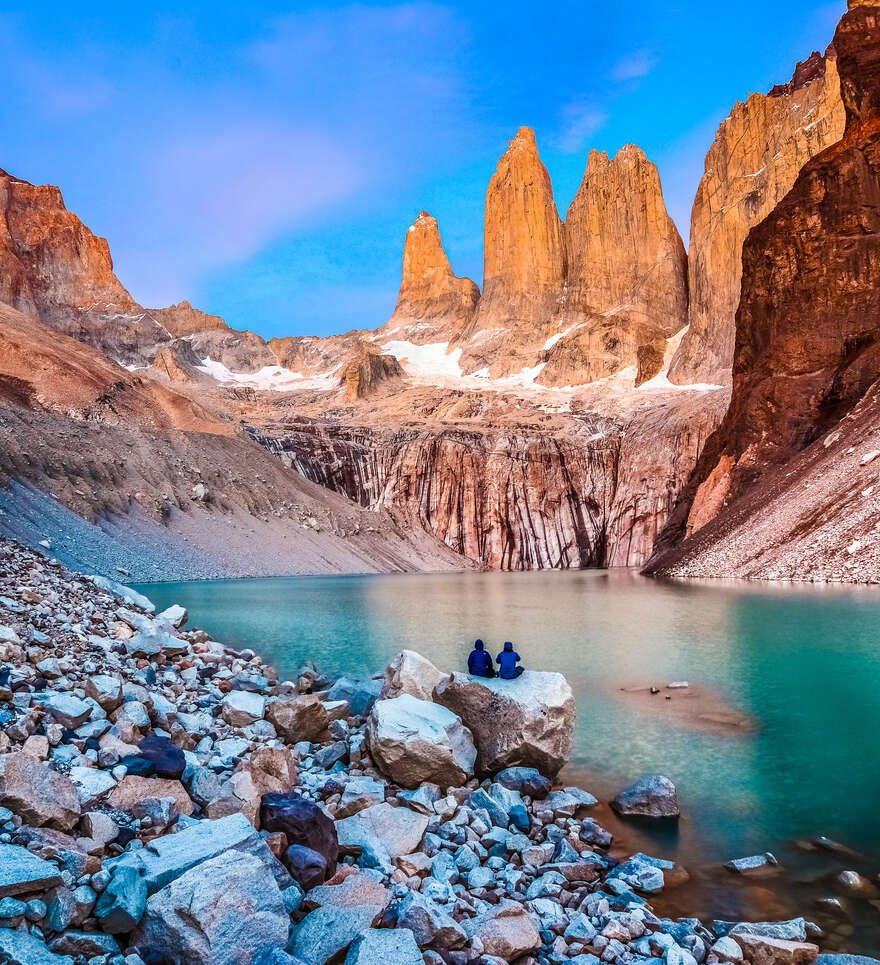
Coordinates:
(168, 799)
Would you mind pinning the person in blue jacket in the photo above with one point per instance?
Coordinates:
(507, 663)
(480, 662)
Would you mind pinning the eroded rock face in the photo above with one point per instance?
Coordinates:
(524, 260)
(366, 371)
(528, 721)
(808, 348)
(434, 303)
(753, 163)
(626, 284)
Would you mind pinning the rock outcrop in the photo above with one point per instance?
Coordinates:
(807, 343)
(626, 281)
(433, 304)
(753, 163)
(366, 371)
(183, 319)
(524, 261)
(528, 721)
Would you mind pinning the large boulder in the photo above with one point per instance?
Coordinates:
(507, 931)
(226, 911)
(299, 717)
(415, 741)
(37, 793)
(411, 673)
(653, 797)
(528, 721)
(304, 824)
(21, 872)
(383, 832)
(157, 756)
(360, 695)
(388, 946)
(760, 950)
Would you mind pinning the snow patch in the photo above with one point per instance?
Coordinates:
(269, 377)
(432, 360)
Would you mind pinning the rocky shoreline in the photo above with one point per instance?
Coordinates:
(165, 799)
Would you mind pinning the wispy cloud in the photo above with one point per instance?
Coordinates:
(634, 66)
(579, 121)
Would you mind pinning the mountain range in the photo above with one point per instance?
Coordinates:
(605, 397)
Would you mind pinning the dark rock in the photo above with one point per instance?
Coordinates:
(306, 866)
(653, 797)
(304, 823)
(157, 757)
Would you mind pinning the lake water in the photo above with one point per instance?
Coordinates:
(776, 739)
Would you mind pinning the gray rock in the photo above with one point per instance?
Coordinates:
(793, 930)
(19, 948)
(176, 615)
(416, 741)
(394, 831)
(302, 717)
(753, 863)
(341, 914)
(430, 924)
(91, 783)
(105, 690)
(360, 695)
(531, 722)
(833, 959)
(21, 871)
(761, 950)
(506, 931)
(360, 793)
(651, 797)
(84, 944)
(67, 710)
(727, 950)
(384, 947)
(122, 903)
(242, 708)
(226, 911)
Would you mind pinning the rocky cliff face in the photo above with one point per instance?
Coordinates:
(183, 319)
(524, 262)
(807, 337)
(753, 163)
(626, 283)
(434, 304)
(366, 371)
(508, 489)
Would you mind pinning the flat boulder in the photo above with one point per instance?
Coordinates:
(139, 796)
(411, 673)
(415, 741)
(37, 793)
(20, 948)
(506, 931)
(527, 722)
(21, 871)
(386, 946)
(653, 797)
(227, 911)
(360, 695)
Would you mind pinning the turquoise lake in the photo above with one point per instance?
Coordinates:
(798, 668)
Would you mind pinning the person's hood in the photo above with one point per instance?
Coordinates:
(508, 647)
(478, 645)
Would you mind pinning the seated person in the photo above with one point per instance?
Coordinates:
(507, 663)
(480, 662)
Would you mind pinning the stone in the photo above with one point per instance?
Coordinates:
(100, 827)
(396, 831)
(760, 950)
(415, 741)
(21, 872)
(137, 795)
(226, 911)
(84, 944)
(653, 797)
(67, 710)
(91, 783)
(241, 708)
(385, 946)
(105, 690)
(302, 717)
(727, 950)
(528, 721)
(303, 823)
(411, 673)
(20, 948)
(341, 914)
(430, 924)
(121, 905)
(754, 862)
(157, 756)
(526, 780)
(360, 695)
(176, 615)
(37, 792)
(360, 793)
(307, 867)
(507, 931)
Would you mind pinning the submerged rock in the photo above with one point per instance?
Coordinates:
(526, 722)
(415, 741)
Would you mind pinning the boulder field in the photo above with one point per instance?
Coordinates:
(166, 800)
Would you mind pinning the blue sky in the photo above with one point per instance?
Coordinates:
(264, 160)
